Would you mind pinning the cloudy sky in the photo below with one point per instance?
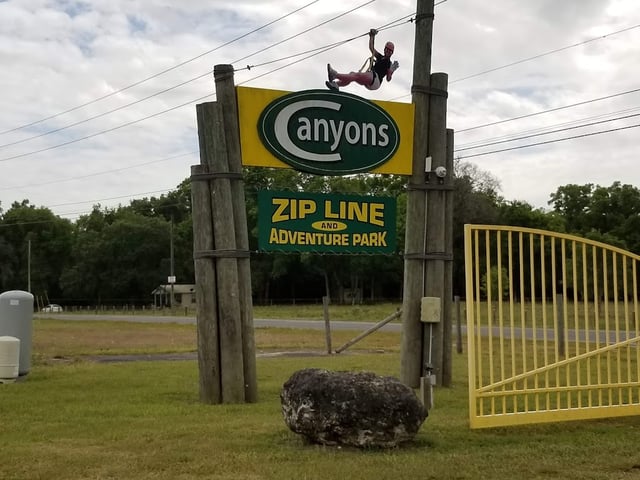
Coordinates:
(98, 97)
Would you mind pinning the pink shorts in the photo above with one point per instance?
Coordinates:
(376, 83)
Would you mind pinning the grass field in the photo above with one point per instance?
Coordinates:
(75, 418)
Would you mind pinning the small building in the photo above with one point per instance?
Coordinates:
(184, 295)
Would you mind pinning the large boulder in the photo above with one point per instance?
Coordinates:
(359, 409)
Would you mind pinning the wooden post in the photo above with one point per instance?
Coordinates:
(205, 274)
(226, 96)
(327, 322)
(229, 323)
(369, 331)
(411, 366)
(435, 232)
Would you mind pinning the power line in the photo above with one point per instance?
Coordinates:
(535, 57)
(117, 127)
(159, 73)
(550, 52)
(60, 215)
(104, 172)
(110, 198)
(551, 141)
(185, 82)
(122, 107)
(515, 139)
(541, 130)
(585, 102)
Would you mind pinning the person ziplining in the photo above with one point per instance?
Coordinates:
(380, 67)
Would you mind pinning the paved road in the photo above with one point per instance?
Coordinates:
(258, 322)
(346, 325)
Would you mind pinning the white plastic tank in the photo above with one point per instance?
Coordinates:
(9, 359)
(16, 320)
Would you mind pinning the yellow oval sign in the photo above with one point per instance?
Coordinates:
(329, 226)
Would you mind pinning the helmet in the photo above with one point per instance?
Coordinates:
(389, 45)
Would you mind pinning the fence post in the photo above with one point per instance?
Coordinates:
(327, 324)
(458, 324)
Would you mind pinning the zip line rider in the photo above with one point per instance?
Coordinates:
(380, 67)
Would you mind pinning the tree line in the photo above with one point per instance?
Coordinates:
(120, 255)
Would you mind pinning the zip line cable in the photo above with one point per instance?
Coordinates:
(139, 82)
(117, 127)
(206, 74)
(300, 33)
(535, 57)
(324, 48)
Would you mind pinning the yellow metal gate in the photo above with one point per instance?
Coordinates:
(552, 327)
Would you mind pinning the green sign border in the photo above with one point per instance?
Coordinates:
(326, 223)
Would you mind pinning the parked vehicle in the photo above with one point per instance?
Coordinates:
(52, 308)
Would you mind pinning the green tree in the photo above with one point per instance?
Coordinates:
(50, 237)
(572, 203)
(476, 200)
(118, 256)
(592, 210)
(522, 214)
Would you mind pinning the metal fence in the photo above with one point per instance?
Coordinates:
(552, 327)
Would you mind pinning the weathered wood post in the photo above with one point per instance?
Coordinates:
(205, 275)
(411, 350)
(226, 95)
(437, 256)
(428, 246)
(327, 323)
(226, 346)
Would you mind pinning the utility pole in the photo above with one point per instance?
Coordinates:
(414, 265)
(426, 340)
(29, 265)
(172, 278)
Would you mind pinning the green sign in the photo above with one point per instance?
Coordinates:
(328, 133)
(325, 223)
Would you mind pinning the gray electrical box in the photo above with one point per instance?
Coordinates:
(430, 309)
(16, 320)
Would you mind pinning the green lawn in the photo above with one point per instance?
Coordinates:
(73, 418)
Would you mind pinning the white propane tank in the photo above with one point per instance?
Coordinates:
(9, 359)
